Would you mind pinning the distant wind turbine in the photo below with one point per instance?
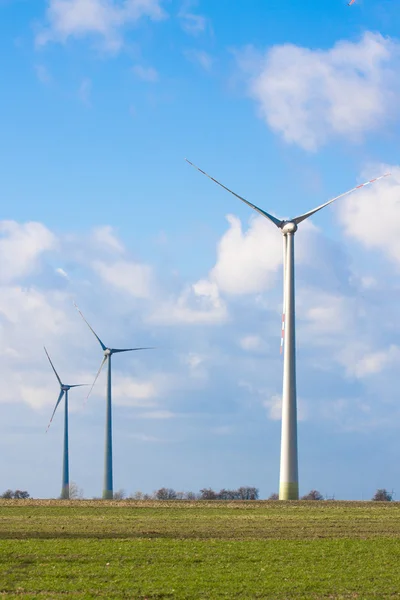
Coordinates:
(64, 389)
(289, 480)
(108, 352)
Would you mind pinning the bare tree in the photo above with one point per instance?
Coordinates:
(313, 495)
(17, 495)
(248, 493)
(165, 494)
(274, 496)
(208, 494)
(191, 496)
(382, 496)
(21, 495)
(119, 495)
(225, 495)
(8, 495)
(75, 492)
(137, 496)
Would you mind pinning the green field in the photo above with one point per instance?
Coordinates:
(191, 550)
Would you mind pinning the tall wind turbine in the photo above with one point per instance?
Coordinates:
(108, 352)
(64, 389)
(289, 479)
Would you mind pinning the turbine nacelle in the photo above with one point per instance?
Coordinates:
(288, 227)
(107, 352)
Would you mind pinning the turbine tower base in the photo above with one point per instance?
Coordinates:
(65, 492)
(108, 495)
(289, 491)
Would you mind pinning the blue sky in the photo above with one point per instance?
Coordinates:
(288, 103)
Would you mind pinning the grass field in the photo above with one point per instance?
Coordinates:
(193, 550)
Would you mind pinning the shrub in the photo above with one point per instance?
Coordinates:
(382, 496)
(313, 495)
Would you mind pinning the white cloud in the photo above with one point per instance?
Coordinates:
(191, 22)
(361, 362)
(274, 408)
(198, 304)
(372, 216)
(130, 277)
(62, 273)
(106, 237)
(31, 310)
(247, 262)
(128, 391)
(200, 57)
(21, 247)
(103, 18)
(359, 339)
(309, 96)
(194, 360)
(326, 314)
(251, 342)
(148, 74)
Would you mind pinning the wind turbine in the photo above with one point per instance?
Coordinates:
(108, 352)
(64, 389)
(289, 479)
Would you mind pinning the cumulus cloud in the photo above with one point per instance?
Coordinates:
(309, 96)
(223, 329)
(274, 408)
(191, 22)
(362, 362)
(129, 391)
(372, 216)
(105, 19)
(106, 237)
(247, 262)
(21, 246)
(133, 278)
(198, 304)
(251, 342)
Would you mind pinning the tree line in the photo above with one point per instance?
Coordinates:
(242, 493)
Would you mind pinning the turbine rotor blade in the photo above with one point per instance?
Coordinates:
(301, 218)
(91, 329)
(78, 385)
(97, 376)
(57, 403)
(52, 366)
(115, 350)
(274, 220)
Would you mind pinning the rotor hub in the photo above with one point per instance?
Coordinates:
(289, 227)
(107, 352)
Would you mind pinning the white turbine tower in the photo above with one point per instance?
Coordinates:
(108, 464)
(289, 479)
